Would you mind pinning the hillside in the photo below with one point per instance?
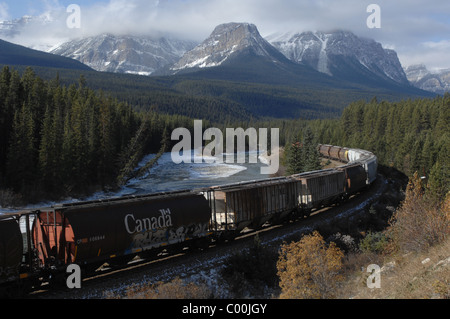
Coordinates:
(237, 92)
(13, 54)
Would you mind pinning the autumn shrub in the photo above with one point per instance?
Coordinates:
(310, 268)
(420, 222)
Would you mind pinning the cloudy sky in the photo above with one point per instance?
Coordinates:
(419, 30)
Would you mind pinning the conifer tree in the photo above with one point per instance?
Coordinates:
(311, 160)
(295, 158)
(21, 168)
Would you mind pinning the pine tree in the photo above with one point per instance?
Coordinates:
(21, 168)
(311, 160)
(46, 151)
(107, 149)
(5, 120)
(295, 158)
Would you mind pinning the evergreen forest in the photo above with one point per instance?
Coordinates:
(60, 140)
(409, 135)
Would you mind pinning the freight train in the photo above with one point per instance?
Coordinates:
(37, 246)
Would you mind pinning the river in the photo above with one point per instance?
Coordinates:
(168, 176)
(165, 176)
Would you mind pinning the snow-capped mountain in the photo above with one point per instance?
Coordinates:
(227, 40)
(9, 29)
(341, 54)
(421, 77)
(34, 32)
(125, 54)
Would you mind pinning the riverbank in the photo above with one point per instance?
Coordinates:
(164, 176)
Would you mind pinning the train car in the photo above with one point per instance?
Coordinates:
(355, 155)
(11, 249)
(334, 152)
(371, 167)
(343, 155)
(368, 160)
(355, 178)
(251, 204)
(319, 188)
(324, 150)
(97, 231)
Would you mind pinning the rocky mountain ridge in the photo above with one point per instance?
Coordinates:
(125, 54)
(338, 52)
(225, 41)
(421, 77)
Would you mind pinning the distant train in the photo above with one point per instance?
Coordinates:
(37, 246)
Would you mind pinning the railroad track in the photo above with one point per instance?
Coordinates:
(188, 262)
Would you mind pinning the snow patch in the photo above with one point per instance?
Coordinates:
(322, 64)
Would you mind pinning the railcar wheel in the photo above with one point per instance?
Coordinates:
(121, 260)
(201, 243)
(306, 213)
(226, 236)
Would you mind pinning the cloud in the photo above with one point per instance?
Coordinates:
(406, 25)
(4, 13)
(437, 53)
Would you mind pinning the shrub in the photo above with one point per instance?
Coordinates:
(374, 242)
(309, 269)
(420, 222)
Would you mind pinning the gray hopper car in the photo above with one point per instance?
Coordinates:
(319, 188)
(235, 207)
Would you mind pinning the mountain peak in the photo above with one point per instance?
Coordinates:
(125, 53)
(337, 52)
(225, 41)
(233, 26)
(421, 77)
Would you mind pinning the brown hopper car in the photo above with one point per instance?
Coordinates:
(95, 231)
